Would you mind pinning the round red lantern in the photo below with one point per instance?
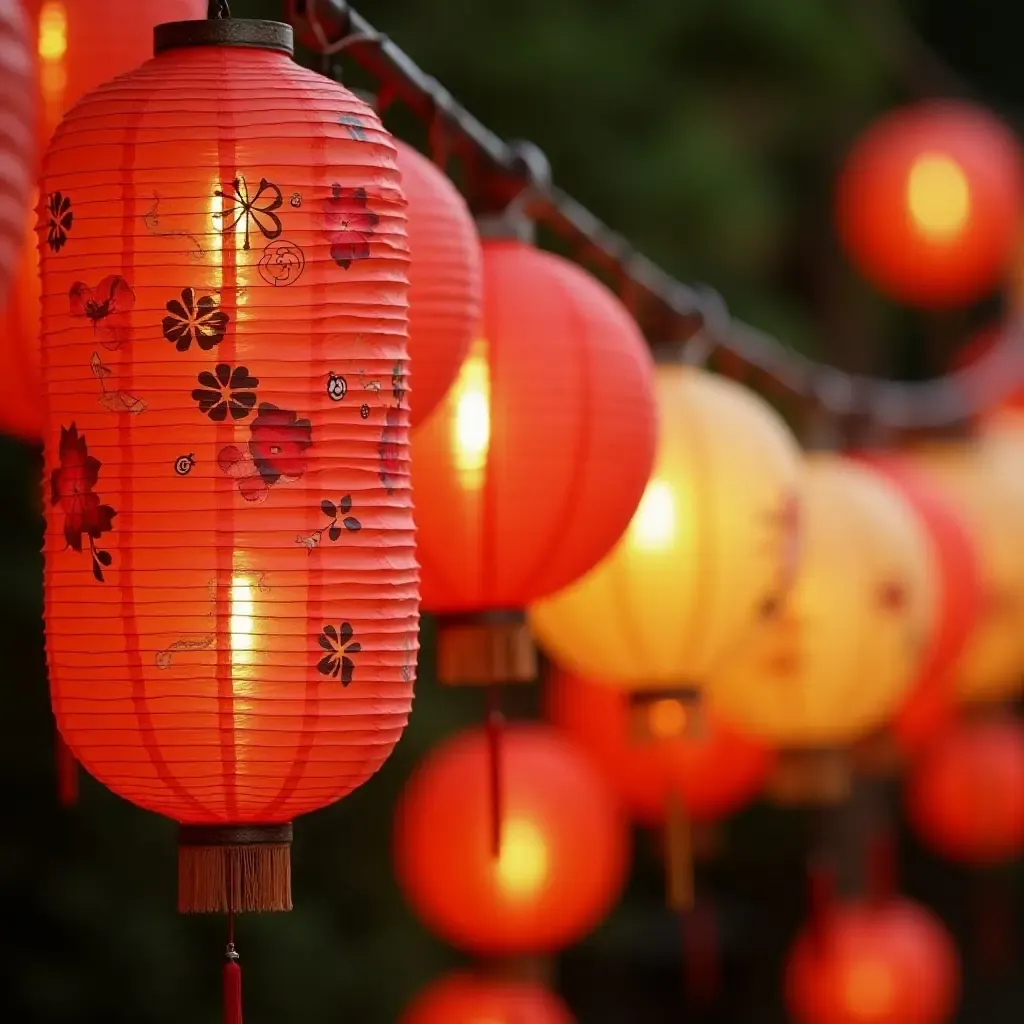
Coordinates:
(78, 44)
(563, 855)
(230, 576)
(930, 203)
(468, 999)
(885, 962)
(532, 466)
(932, 700)
(650, 754)
(966, 796)
(445, 279)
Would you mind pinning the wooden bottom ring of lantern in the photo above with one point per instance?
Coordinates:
(485, 649)
(666, 714)
(234, 869)
(811, 777)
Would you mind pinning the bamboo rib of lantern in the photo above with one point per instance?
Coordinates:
(511, 169)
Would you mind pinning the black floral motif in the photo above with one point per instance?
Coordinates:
(349, 224)
(60, 219)
(72, 488)
(249, 209)
(339, 645)
(355, 125)
(190, 319)
(226, 390)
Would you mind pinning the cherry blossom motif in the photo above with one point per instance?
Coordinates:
(339, 644)
(106, 306)
(247, 210)
(60, 218)
(349, 225)
(194, 319)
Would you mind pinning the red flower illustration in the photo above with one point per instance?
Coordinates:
(71, 487)
(278, 443)
(107, 306)
(348, 224)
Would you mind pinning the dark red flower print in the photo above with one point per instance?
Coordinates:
(246, 209)
(72, 488)
(348, 224)
(107, 307)
(190, 319)
(226, 390)
(239, 465)
(398, 382)
(278, 444)
(389, 452)
(60, 218)
(339, 645)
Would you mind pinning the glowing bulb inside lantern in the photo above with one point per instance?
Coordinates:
(667, 718)
(471, 426)
(243, 621)
(654, 522)
(868, 991)
(938, 196)
(53, 48)
(522, 868)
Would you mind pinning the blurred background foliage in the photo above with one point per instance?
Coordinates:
(709, 132)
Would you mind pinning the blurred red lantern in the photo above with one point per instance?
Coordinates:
(77, 45)
(966, 796)
(445, 279)
(712, 767)
(886, 962)
(564, 847)
(932, 700)
(532, 466)
(230, 576)
(930, 203)
(469, 999)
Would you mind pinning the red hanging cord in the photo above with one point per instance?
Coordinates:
(495, 726)
(232, 978)
(67, 773)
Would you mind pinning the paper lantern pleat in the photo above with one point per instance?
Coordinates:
(231, 582)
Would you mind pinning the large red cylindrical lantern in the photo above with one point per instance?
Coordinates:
(471, 999)
(652, 754)
(77, 45)
(445, 279)
(966, 796)
(531, 467)
(230, 575)
(930, 203)
(932, 701)
(885, 962)
(563, 854)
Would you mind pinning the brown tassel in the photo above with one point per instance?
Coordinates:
(495, 726)
(234, 869)
(476, 650)
(67, 773)
(232, 987)
(679, 853)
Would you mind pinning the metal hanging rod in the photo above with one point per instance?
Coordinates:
(517, 172)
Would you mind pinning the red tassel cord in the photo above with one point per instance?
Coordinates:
(67, 773)
(495, 727)
(232, 979)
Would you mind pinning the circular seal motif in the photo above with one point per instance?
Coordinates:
(364, 411)
(282, 263)
(183, 464)
(296, 200)
(337, 387)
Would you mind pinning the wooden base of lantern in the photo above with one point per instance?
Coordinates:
(666, 715)
(234, 869)
(485, 650)
(811, 778)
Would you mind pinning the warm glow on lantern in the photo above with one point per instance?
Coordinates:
(667, 718)
(242, 620)
(868, 989)
(654, 525)
(522, 868)
(53, 48)
(938, 196)
(465, 998)
(471, 424)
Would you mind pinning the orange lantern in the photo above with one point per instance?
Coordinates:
(988, 494)
(469, 999)
(930, 202)
(230, 577)
(834, 660)
(78, 44)
(886, 962)
(652, 757)
(530, 469)
(712, 542)
(931, 702)
(966, 796)
(445, 279)
(563, 854)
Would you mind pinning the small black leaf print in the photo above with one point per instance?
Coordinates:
(333, 529)
(104, 558)
(346, 504)
(328, 509)
(353, 524)
(226, 390)
(334, 533)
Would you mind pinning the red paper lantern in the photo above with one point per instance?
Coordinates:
(714, 768)
(532, 466)
(77, 44)
(932, 700)
(563, 856)
(884, 963)
(230, 578)
(966, 796)
(445, 279)
(930, 203)
(468, 999)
